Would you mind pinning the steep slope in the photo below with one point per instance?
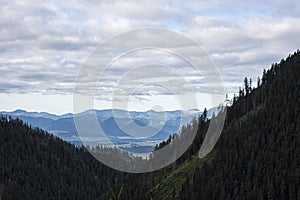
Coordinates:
(258, 154)
(35, 165)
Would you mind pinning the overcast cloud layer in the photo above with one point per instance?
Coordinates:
(44, 43)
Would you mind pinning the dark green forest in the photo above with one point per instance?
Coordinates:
(256, 157)
(36, 165)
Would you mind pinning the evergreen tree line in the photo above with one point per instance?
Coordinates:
(258, 153)
(37, 165)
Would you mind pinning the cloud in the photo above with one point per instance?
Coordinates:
(44, 44)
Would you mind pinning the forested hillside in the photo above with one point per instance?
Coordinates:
(36, 165)
(258, 154)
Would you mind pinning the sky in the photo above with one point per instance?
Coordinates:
(45, 44)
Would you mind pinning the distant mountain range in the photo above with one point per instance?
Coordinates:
(111, 122)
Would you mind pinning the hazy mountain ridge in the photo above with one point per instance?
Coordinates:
(63, 126)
